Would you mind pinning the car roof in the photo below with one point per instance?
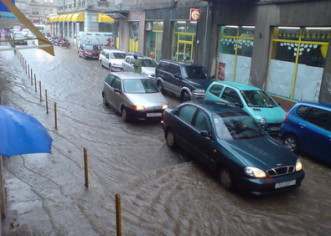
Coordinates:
(236, 85)
(129, 75)
(315, 104)
(181, 63)
(113, 50)
(217, 107)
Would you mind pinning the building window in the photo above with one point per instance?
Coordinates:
(184, 33)
(235, 46)
(297, 62)
(154, 35)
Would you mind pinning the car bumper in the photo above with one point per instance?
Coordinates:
(144, 115)
(272, 129)
(116, 68)
(272, 185)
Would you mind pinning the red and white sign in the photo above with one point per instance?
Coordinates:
(195, 14)
(221, 71)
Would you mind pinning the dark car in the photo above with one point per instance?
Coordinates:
(307, 128)
(21, 39)
(229, 142)
(88, 51)
(187, 81)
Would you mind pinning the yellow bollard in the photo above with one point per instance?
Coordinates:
(55, 115)
(118, 215)
(46, 97)
(86, 168)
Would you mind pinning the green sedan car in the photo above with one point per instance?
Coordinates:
(229, 142)
(263, 108)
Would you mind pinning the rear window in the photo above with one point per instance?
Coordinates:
(216, 89)
(118, 55)
(163, 66)
(139, 86)
(195, 72)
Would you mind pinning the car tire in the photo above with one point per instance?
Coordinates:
(226, 178)
(170, 139)
(185, 96)
(124, 114)
(291, 142)
(159, 85)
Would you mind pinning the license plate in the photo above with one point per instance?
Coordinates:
(285, 184)
(154, 114)
(274, 128)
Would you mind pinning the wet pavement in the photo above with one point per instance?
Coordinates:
(163, 192)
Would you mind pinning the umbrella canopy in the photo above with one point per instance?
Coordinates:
(21, 133)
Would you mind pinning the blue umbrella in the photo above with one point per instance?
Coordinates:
(21, 133)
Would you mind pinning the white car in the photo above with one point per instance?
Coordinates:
(112, 59)
(148, 65)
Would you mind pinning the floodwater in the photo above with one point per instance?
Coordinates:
(163, 192)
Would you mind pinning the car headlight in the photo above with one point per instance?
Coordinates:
(262, 121)
(255, 172)
(165, 106)
(298, 165)
(137, 108)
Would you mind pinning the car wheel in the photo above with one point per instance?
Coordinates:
(185, 96)
(291, 142)
(226, 178)
(105, 100)
(124, 114)
(170, 138)
(159, 85)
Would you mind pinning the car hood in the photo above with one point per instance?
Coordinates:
(148, 70)
(271, 114)
(147, 99)
(262, 152)
(199, 83)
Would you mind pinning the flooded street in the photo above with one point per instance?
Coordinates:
(163, 192)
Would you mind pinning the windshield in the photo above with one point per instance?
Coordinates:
(118, 55)
(139, 86)
(236, 126)
(91, 47)
(148, 63)
(258, 98)
(195, 72)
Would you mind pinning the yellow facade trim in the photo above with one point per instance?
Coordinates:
(78, 17)
(104, 18)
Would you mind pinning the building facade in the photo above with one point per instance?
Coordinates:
(281, 46)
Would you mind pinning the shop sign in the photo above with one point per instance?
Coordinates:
(195, 14)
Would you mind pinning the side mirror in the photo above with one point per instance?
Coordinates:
(205, 133)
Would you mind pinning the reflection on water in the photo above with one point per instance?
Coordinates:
(163, 192)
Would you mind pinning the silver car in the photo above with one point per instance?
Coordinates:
(112, 59)
(148, 65)
(134, 96)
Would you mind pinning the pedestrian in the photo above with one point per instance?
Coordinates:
(137, 64)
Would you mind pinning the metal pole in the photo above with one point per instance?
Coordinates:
(35, 83)
(55, 115)
(46, 97)
(40, 91)
(118, 215)
(31, 73)
(86, 168)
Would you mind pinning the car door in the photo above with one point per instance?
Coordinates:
(231, 96)
(174, 79)
(202, 139)
(317, 132)
(115, 94)
(182, 126)
(107, 89)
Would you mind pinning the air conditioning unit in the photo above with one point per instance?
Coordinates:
(149, 26)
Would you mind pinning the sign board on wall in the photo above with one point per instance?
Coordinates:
(195, 14)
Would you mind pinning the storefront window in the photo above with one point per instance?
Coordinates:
(235, 46)
(297, 62)
(154, 34)
(183, 38)
(134, 36)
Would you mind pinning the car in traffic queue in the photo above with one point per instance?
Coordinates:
(229, 142)
(20, 39)
(262, 107)
(185, 80)
(134, 96)
(88, 51)
(307, 128)
(112, 59)
(148, 65)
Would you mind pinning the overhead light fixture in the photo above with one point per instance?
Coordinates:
(231, 26)
(318, 28)
(285, 27)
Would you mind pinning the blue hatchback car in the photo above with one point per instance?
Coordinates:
(307, 128)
